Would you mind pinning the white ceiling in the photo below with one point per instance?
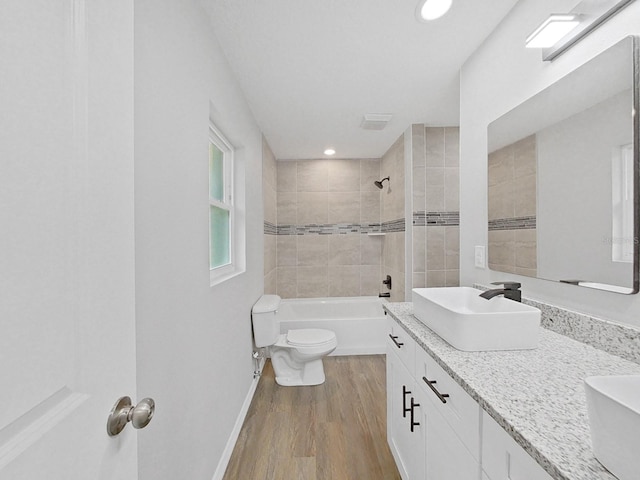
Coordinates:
(311, 69)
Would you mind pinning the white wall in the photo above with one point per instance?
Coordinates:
(500, 75)
(194, 341)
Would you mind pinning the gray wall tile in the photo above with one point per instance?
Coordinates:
(287, 173)
(344, 175)
(313, 176)
(313, 250)
(313, 282)
(344, 281)
(313, 208)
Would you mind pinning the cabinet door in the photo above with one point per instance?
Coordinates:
(461, 412)
(407, 446)
(503, 458)
(415, 435)
(447, 458)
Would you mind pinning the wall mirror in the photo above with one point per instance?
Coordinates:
(563, 178)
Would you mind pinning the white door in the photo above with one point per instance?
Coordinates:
(67, 311)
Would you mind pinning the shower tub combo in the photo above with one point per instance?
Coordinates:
(359, 323)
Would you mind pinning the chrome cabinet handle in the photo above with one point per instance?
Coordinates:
(405, 392)
(398, 344)
(124, 412)
(431, 383)
(413, 423)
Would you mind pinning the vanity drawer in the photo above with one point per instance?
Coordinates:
(461, 412)
(400, 342)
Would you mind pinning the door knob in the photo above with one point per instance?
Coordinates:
(124, 412)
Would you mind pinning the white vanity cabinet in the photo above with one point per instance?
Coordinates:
(426, 438)
(436, 431)
(503, 458)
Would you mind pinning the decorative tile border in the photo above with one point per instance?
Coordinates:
(436, 219)
(391, 226)
(516, 223)
(270, 228)
(614, 338)
(328, 229)
(397, 225)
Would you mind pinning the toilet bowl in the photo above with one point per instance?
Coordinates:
(296, 356)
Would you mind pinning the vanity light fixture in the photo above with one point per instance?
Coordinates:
(329, 151)
(551, 30)
(560, 32)
(432, 9)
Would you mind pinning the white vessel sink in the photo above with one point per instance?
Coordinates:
(472, 323)
(613, 404)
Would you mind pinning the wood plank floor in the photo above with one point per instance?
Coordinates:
(336, 430)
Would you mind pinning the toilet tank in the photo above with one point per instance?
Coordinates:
(266, 328)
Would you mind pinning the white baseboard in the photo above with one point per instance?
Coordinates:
(235, 433)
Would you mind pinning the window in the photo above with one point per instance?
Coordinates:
(623, 239)
(221, 207)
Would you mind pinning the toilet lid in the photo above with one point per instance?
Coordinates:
(309, 336)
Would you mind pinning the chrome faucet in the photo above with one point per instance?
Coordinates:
(510, 291)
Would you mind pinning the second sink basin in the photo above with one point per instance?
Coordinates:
(471, 323)
(613, 404)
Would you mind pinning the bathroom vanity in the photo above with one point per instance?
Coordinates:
(432, 423)
(490, 415)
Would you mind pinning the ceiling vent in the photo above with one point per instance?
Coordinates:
(375, 121)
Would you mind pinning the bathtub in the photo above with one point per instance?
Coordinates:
(359, 322)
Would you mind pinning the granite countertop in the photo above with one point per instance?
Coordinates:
(537, 396)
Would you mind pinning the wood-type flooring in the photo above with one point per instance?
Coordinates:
(336, 430)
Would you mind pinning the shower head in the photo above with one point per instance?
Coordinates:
(379, 183)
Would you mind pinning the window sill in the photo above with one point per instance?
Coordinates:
(221, 275)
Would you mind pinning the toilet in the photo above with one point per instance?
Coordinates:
(296, 356)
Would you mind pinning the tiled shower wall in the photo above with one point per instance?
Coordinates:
(512, 208)
(393, 219)
(325, 210)
(322, 217)
(436, 206)
(269, 185)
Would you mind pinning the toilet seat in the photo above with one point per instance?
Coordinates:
(309, 340)
(308, 337)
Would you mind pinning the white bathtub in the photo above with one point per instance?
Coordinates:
(359, 322)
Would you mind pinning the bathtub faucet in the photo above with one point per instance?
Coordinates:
(510, 291)
(387, 282)
(384, 295)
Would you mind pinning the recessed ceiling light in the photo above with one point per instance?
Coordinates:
(551, 30)
(432, 9)
(329, 151)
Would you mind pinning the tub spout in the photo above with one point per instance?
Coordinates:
(384, 295)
